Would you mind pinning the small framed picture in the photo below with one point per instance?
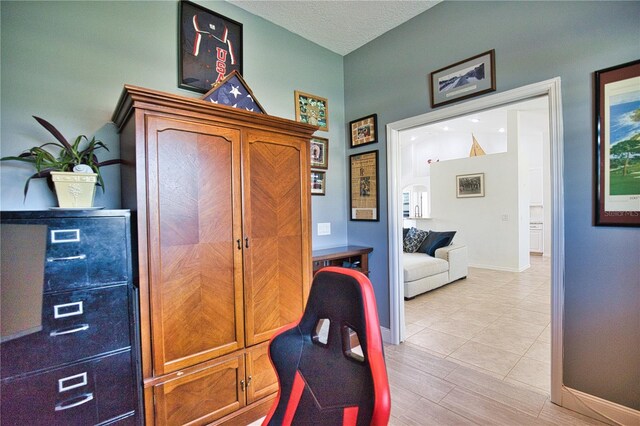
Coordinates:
(318, 179)
(616, 140)
(469, 186)
(202, 32)
(364, 130)
(364, 186)
(319, 153)
(312, 109)
(464, 79)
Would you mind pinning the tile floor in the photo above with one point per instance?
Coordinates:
(493, 321)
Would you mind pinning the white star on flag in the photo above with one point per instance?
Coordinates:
(235, 90)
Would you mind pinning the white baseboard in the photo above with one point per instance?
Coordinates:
(386, 334)
(598, 408)
(498, 268)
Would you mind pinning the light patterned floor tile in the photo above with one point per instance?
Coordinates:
(437, 341)
(532, 372)
(487, 357)
(540, 351)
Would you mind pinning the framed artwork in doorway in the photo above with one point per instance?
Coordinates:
(468, 186)
(617, 145)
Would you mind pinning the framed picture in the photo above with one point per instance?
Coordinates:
(363, 179)
(210, 47)
(319, 153)
(617, 145)
(312, 109)
(464, 79)
(364, 131)
(318, 182)
(468, 186)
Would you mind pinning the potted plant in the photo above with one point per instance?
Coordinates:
(73, 173)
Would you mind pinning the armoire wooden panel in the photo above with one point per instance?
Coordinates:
(221, 199)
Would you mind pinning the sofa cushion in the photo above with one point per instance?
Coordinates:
(414, 238)
(435, 240)
(420, 265)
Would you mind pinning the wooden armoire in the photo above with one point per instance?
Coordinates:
(221, 204)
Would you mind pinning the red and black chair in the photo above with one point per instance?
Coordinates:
(330, 365)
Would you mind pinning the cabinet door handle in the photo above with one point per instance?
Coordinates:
(242, 385)
(59, 259)
(83, 400)
(248, 381)
(246, 242)
(71, 330)
(239, 241)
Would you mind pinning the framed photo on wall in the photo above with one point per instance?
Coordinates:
(210, 47)
(363, 177)
(464, 79)
(318, 182)
(468, 186)
(312, 110)
(319, 153)
(617, 145)
(364, 130)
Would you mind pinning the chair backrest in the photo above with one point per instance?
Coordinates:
(330, 364)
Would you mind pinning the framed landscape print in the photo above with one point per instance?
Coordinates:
(312, 110)
(463, 79)
(210, 47)
(363, 179)
(319, 153)
(468, 186)
(318, 182)
(617, 145)
(364, 131)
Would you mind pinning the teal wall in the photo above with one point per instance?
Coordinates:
(534, 41)
(68, 61)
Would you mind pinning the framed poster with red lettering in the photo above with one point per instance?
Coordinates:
(210, 47)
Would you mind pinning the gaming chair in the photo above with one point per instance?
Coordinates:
(330, 364)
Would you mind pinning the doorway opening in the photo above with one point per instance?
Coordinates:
(550, 89)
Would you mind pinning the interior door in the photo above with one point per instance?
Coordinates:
(277, 256)
(195, 265)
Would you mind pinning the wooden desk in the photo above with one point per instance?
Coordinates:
(346, 256)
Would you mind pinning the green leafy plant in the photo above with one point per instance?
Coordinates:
(81, 151)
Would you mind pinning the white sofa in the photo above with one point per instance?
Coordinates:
(423, 272)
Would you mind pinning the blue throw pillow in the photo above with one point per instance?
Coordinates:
(414, 238)
(436, 240)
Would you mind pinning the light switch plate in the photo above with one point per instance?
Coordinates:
(324, 228)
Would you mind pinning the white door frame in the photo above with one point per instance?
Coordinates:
(550, 88)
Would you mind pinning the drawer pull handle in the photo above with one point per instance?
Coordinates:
(83, 400)
(59, 259)
(71, 330)
(67, 310)
(72, 382)
(65, 236)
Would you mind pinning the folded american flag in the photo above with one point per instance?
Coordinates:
(234, 92)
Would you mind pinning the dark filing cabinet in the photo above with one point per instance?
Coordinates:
(69, 348)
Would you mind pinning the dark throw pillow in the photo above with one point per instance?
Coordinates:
(436, 240)
(414, 238)
(405, 231)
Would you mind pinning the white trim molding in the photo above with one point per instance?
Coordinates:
(598, 408)
(549, 88)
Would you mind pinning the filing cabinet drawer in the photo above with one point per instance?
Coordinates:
(75, 326)
(84, 253)
(86, 393)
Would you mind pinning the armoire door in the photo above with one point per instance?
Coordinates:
(277, 257)
(195, 257)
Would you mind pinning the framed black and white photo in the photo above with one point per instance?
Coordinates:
(469, 186)
(319, 153)
(210, 47)
(617, 145)
(464, 79)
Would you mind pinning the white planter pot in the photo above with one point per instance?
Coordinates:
(75, 190)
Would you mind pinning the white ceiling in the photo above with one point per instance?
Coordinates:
(338, 25)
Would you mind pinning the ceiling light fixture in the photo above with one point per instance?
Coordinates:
(501, 130)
